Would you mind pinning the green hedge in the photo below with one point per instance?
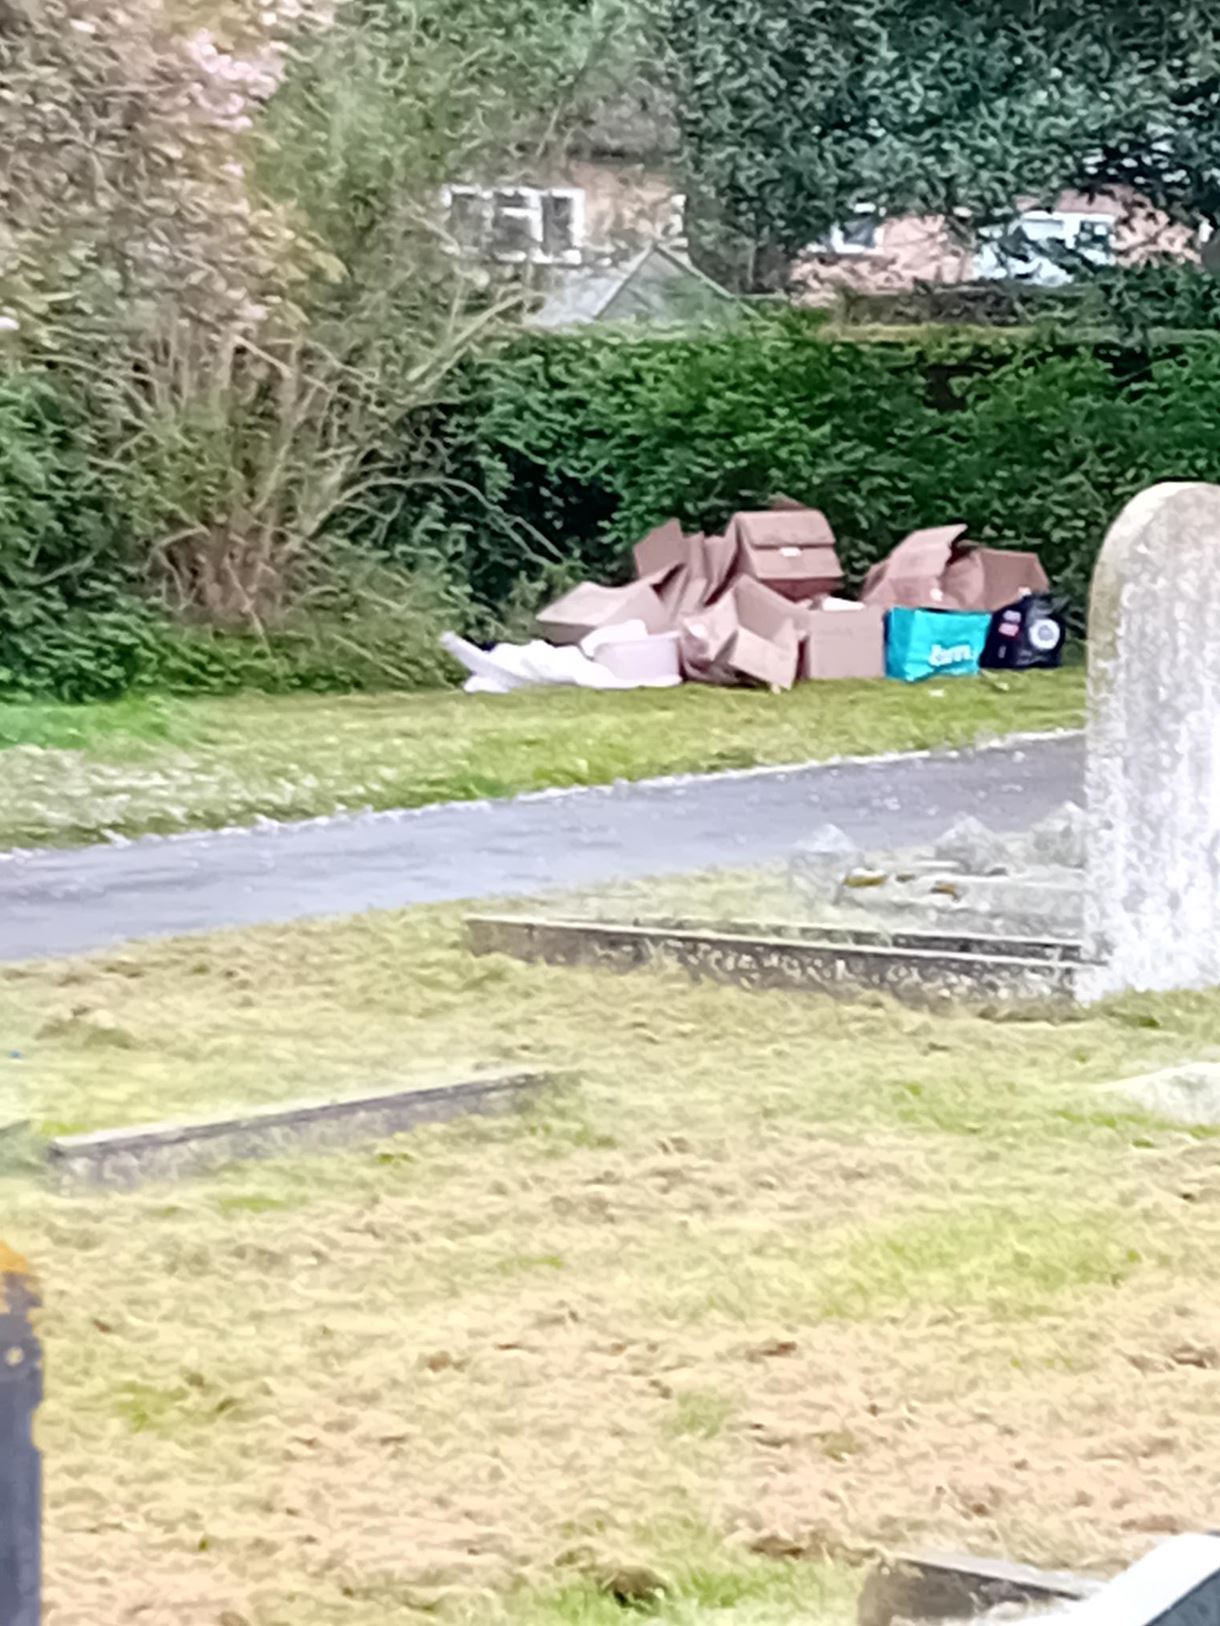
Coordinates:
(76, 624)
(568, 448)
(69, 624)
(556, 453)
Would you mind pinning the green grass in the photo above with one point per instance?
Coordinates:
(776, 1283)
(76, 774)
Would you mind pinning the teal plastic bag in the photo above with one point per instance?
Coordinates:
(922, 644)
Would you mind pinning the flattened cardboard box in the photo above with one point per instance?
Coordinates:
(790, 549)
(588, 607)
(844, 643)
(750, 632)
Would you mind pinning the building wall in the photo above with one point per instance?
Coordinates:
(627, 206)
(596, 214)
(911, 250)
(921, 249)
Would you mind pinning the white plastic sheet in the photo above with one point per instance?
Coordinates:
(506, 667)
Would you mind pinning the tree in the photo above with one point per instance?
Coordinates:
(219, 223)
(794, 112)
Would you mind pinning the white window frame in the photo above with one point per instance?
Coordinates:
(673, 227)
(1046, 273)
(530, 212)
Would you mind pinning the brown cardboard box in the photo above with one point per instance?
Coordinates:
(683, 594)
(675, 565)
(938, 570)
(661, 551)
(912, 575)
(720, 561)
(847, 641)
(587, 607)
(750, 632)
(992, 578)
(791, 550)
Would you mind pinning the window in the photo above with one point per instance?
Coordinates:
(517, 224)
(859, 235)
(560, 226)
(466, 217)
(1040, 246)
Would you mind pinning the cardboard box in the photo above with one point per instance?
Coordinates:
(791, 550)
(992, 578)
(750, 633)
(684, 590)
(720, 562)
(844, 641)
(587, 607)
(938, 569)
(661, 552)
(683, 594)
(912, 577)
(675, 566)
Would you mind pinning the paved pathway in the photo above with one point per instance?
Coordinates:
(60, 902)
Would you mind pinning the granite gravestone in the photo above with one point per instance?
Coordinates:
(1152, 903)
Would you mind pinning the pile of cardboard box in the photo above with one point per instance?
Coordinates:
(761, 603)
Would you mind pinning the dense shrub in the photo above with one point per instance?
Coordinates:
(69, 625)
(76, 622)
(373, 627)
(1162, 295)
(554, 454)
(568, 448)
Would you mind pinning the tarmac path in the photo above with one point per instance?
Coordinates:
(55, 902)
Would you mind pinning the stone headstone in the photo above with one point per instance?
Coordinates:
(1152, 910)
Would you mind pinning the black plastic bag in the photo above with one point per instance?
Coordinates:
(1029, 633)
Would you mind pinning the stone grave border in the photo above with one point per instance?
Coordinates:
(843, 960)
(929, 1585)
(173, 1150)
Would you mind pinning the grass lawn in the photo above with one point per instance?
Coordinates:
(777, 1282)
(73, 774)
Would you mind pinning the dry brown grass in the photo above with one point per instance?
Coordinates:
(778, 1274)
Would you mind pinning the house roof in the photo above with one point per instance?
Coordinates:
(658, 284)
